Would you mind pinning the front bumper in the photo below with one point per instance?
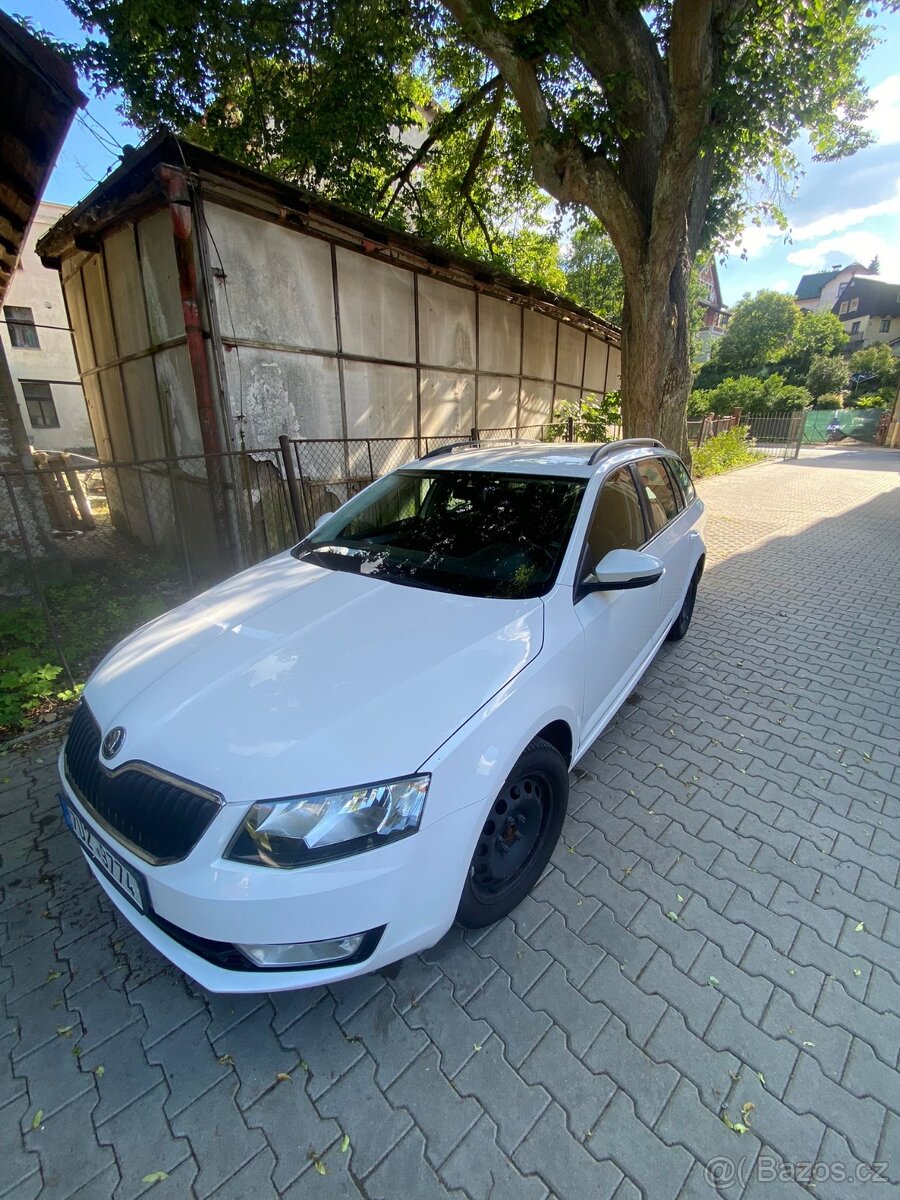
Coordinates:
(410, 890)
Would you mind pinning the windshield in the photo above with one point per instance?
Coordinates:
(469, 532)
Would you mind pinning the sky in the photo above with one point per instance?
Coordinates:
(842, 212)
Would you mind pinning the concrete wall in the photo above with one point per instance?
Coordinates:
(34, 287)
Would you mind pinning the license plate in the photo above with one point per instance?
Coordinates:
(129, 882)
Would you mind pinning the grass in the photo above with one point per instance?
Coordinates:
(725, 452)
(92, 611)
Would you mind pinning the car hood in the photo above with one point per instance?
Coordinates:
(290, 678)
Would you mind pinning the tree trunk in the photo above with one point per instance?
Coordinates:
(656, 357)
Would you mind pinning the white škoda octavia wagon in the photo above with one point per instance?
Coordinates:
(314, 768)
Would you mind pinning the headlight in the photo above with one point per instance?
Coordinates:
(311, 829)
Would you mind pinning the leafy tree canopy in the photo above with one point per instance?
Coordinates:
(827, 375)
(593, 270)
(817, 333)
(656, 119)
(874, 367)
(759, 331)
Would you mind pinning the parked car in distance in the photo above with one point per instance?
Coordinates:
(313, 769)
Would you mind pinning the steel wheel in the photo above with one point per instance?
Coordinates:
(518, 836)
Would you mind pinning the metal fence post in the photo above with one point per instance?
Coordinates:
(290, 475)
(371, 467)
(570, 429)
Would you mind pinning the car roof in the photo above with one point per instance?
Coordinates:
(567, 459)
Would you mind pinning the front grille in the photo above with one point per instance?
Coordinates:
(160, 819)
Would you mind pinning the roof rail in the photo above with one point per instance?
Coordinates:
(623, 444)
(479, 445)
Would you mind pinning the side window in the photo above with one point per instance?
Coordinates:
(679, 470)
(617, 523)
(659, 492)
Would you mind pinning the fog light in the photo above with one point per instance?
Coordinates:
(304, 954)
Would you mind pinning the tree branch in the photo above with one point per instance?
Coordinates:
(562, 164)
(440, 127)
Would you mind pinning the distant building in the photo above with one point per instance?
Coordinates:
(715, 314)
(869, 310)
(820, 291)
(35, 335)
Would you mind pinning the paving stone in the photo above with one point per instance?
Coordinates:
(189, 1064)
(220, 1141)
(479, 1166)
(658, 1170)
(865, 1075)
(319, 1041)
(292, 1127)
(465, 969)
(750, 991)
(252, 1179)
(353, 994)
(570, 1171)
(829, 1045)
(640, 1013)
(710, 1070)
(576, 906)
(577, 958)
(688, 1122)
(880, 1030)
(166, 1002)
(449, 1027)
(105, 1011)
(359, 1107)
(142, 1142)
(126, 1074)
(438, 1109)
(406, 1173)
(651, 1083)
(386, 1036)
(576, 1089)
(860, 1119)
(69, 1155)
(580, 1017)
(20, 1168)
(259, 1057)
(336, 1184)
(512, 1104)
(53, 1077)
(516, 1022)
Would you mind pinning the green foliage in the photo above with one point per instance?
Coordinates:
(593, 270)
(874, 368)
(724, 452)
(817, 333)
(827, 375)
(91, 614)
(666, 122)
(759, 331)
(750, 393)
(592, 418)
(830, 400)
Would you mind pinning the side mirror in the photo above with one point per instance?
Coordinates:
(622, 569)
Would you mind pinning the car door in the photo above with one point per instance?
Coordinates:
(669, 538)
(619, 626)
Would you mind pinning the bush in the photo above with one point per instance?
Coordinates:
(750, 393)
(827, 375)
(830, 400)
(724, 452)
(591, 417)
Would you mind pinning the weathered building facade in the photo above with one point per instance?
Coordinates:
(216, 309)
(316, 321)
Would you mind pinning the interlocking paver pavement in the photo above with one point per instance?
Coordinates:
(718, 937)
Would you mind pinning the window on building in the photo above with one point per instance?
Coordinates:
(843, 308)
(854, 328)
(39, 404)
(854, 304)
(22, 331)
(886, 325)
(841, 287)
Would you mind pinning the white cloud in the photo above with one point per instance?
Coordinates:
(858, 246)
(884, 119)
(781, 285)
(845, 219)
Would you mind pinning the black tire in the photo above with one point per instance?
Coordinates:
(682, 622)
(518, 837)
